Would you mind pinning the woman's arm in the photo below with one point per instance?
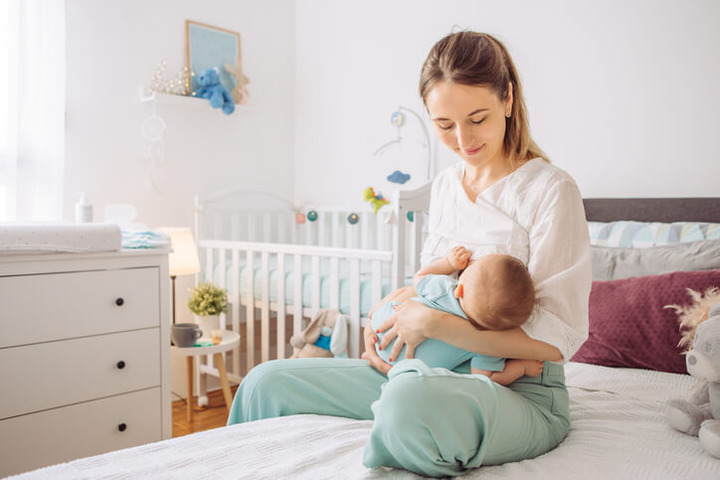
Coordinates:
(514, 343)
(399, 295)
(414, 322)
(559, 263)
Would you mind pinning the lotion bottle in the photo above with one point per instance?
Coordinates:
(83, 210)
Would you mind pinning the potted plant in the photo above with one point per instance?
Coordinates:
(207, 302)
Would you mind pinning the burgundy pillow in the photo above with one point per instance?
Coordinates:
(629, 326)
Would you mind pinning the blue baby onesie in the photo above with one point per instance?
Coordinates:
(436, 291)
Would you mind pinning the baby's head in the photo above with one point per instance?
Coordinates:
(496, 292)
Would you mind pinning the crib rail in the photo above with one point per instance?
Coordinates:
(267, 300)
(270, 218)
(408, 236)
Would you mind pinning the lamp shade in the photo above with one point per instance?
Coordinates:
(183, 259)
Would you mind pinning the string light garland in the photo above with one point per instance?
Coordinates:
(181, 84)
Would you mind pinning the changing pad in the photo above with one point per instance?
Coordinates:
(59, 237)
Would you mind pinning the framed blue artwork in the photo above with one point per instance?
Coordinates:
(213, 47)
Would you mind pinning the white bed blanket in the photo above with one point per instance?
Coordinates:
(618, 432)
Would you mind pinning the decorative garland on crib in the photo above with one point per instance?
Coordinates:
(377, 200)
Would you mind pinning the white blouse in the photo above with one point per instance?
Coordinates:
(536, 215)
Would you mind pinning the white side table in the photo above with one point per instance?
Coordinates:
(229, 341)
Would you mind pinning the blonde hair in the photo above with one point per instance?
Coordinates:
(505, 294)
(472, 58)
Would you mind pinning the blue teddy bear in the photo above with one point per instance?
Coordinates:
(213, 90)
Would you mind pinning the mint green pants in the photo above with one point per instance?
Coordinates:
(430, 421)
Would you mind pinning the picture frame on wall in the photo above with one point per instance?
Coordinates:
(207, 46)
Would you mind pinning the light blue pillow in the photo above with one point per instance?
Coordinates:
(631, 234)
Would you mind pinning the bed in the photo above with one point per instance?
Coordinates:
(619, 382)
(618, 431)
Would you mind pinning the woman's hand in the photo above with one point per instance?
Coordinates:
(407, 325)
(370, 354)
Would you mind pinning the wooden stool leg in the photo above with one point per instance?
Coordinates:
(220, 364)
(190, 365)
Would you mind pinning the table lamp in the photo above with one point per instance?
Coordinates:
(183, 258)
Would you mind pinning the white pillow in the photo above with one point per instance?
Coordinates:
(610, 263)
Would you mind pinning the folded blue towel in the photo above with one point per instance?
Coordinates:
(133, 239)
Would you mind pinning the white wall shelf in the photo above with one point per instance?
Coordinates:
(182, 100)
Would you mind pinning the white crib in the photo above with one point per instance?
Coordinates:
(280, 268)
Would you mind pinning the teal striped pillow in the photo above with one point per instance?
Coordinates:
(630, 234)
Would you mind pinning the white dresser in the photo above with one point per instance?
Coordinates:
(84, 355)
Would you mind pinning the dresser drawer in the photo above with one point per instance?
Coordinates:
(91, 428)
(54, 374)
(40, 308)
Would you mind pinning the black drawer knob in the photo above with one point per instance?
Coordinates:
(120, 364)
(119, 301)
(122, 427)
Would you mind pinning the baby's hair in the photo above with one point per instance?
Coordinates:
(508, 295)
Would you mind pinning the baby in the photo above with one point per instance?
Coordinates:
(494, 292)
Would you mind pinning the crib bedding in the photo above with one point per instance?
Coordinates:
(344, 284)
(618, 431)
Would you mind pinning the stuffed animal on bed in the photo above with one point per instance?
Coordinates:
(694, 313)
(325, 336)
(701, 414)
(212, 89)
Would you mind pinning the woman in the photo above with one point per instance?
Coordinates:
(433, 421)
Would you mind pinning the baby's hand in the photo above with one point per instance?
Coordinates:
(459, 258)
(533, 368)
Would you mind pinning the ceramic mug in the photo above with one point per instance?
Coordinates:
(185, 334)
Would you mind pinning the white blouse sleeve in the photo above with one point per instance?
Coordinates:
(559, 263)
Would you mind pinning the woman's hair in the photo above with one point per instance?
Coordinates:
(472, 58)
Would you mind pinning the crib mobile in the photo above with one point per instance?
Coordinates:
(376, 199)
(397, 119)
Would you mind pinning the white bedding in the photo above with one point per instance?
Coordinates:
(618, 432)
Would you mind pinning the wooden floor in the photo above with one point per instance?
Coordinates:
(212, 416)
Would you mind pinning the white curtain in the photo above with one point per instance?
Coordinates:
(32, 109)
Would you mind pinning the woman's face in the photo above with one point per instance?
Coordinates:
(470, 120)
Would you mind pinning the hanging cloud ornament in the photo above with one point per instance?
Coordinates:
(398, 177)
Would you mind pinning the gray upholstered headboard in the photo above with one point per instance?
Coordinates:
(653, 209)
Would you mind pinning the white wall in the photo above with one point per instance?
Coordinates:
(114, 47)
(622, 93)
